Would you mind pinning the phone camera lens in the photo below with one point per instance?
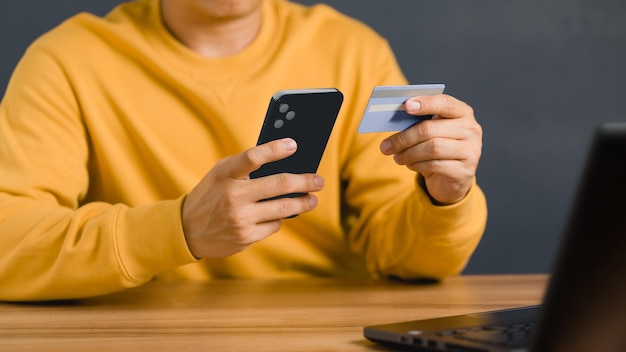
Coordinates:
(283, 108)
(290, 115)
(279, 123)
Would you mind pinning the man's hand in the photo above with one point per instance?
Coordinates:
(222, 215)
(444, 150)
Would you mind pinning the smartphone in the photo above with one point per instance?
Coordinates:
(308, 117)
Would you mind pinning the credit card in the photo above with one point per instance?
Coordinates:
(385, 109)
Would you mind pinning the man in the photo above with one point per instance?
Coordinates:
(126, 145)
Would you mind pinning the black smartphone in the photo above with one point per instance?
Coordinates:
(308, 117)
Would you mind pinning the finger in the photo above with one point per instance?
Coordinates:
(448, 158)
(440, 106)
(282, 208)
(415, 135)
(451, 169)
(262, 230)
(241, 165)
(280, 184)
(434, 149)
(457, 129)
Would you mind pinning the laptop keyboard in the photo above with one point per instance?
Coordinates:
(509, 336)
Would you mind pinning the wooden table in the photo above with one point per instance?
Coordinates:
(299, 315)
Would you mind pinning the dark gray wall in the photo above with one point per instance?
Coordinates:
(541, 74)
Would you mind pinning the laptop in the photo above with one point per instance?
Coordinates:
(584, 306)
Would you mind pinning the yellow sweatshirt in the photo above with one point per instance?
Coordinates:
(108, 122)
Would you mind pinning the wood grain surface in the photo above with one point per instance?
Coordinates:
(292, 315)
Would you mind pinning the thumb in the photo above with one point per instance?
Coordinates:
(241, 165)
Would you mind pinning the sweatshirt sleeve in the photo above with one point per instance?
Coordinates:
(391, 220)
(53, 245)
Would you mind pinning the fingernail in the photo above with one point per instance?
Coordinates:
(289, 145)
(319, 181)
(385, 146)
(313, 201)
(413, 106)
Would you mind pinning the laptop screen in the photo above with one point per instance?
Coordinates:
(585, 304)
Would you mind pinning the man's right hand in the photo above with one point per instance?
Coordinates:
(222, 215)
